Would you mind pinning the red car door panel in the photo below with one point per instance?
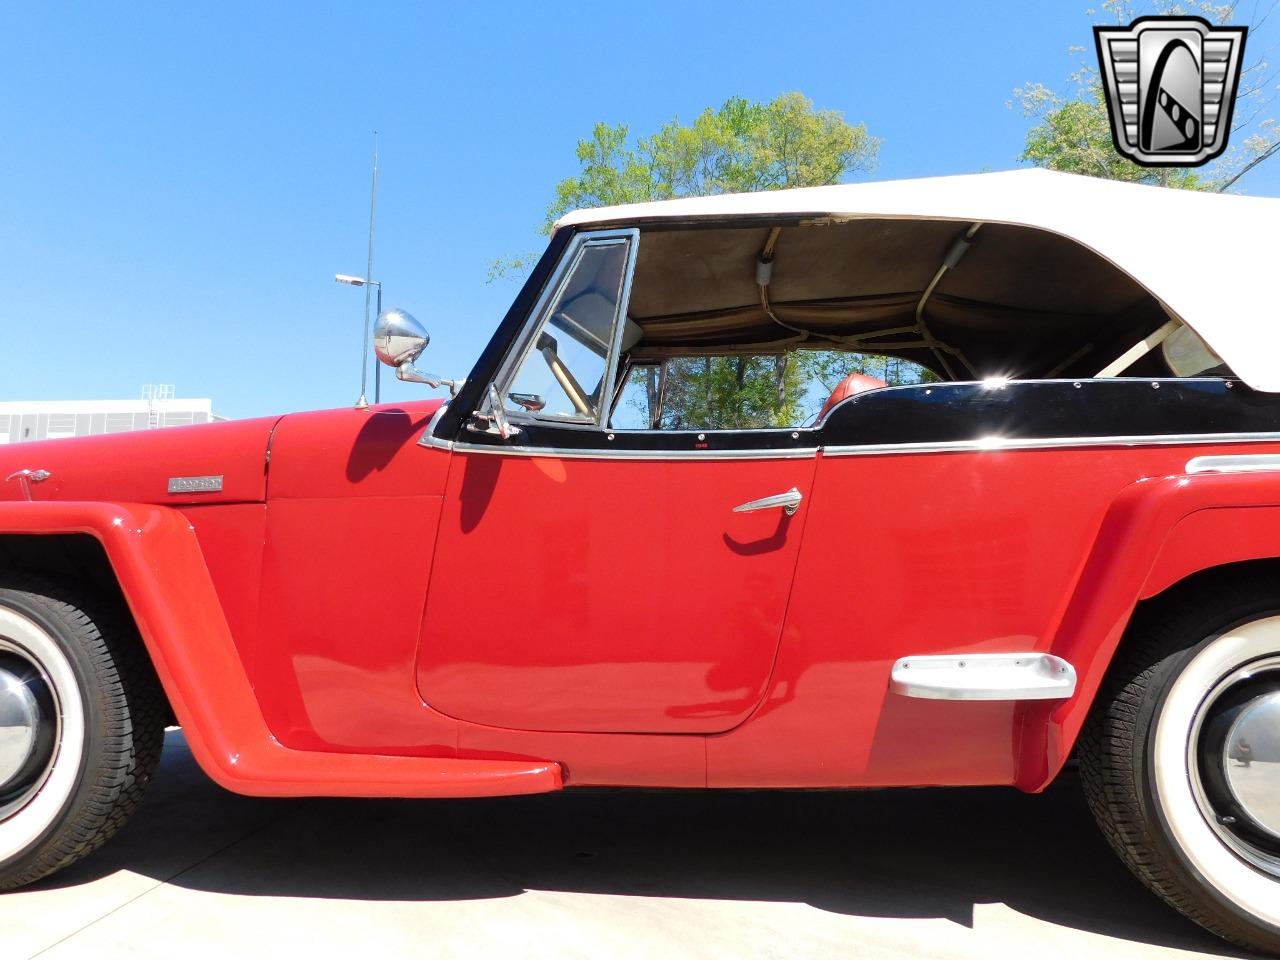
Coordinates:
(597, 595)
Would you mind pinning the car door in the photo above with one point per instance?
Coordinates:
(588, 579)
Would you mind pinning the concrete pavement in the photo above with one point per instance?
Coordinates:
(911, 873)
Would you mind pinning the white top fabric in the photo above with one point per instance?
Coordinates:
(1212, 260)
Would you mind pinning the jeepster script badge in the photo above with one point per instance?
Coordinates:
(195, 484)
(1170, 85)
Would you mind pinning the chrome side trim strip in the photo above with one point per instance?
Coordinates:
(1049, 443)
(563, 453)
(1238, 463)
(1207, 464)
(984, 676)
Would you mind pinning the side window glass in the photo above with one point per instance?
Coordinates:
(564, 372)
(640, 398)
(751, 391)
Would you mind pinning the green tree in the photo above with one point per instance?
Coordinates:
(1071, 132)
(741, 146)
(755, 392)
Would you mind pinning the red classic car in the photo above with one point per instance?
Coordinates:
(927, 482)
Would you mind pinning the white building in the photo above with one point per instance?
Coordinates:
(23, 420)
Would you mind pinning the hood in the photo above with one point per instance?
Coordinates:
(142, 467)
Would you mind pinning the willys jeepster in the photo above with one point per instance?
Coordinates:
(938, 482)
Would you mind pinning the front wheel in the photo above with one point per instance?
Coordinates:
(81, 727)
(1181, 757)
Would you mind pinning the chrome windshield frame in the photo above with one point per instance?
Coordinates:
(516, 353)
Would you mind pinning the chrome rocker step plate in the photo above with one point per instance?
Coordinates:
(984, 676)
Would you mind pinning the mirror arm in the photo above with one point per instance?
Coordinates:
(411, 374)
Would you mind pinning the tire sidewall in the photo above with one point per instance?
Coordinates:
(1165, 676)
(90, 691)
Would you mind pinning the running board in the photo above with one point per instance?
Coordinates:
(984, 676)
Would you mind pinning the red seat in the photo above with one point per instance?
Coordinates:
(853, 383)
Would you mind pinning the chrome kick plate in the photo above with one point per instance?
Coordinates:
(984, 676)
(789, 502)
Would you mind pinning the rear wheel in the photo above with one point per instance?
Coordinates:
(81, 727)
(1181, 757)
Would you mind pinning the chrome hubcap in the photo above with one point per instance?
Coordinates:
(19, 725)
(1251, 759)
(1236, 762)
(28, 728)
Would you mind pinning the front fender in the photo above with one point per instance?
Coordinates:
(157, 560)
(1156, 532)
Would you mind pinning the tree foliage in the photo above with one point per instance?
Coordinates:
(1071, 132)
(755, 392)
(739, 147)
(742, 146)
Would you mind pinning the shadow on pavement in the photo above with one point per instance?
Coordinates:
(924, 853)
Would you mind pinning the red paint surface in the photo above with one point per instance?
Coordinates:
(377, 617)
(1143, 520)
(608, 595)
(157, 558)
(231, 538)
(136, 467)
(976, 552)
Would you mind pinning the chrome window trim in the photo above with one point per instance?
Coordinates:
(614, 359)
(566, 453)
(511, 361)
(1195, 465)
(997, 444)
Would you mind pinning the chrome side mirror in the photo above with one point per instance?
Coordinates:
(398, 340)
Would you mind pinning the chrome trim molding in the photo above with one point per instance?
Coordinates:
(612, 361)
(997, 444)
(984, 676)
(1238, 463)
(429, 438)
(1195, 465)
(564, 453)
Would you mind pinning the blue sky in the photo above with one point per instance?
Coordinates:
(179, 182)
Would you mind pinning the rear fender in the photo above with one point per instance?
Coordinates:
(156, 558)
(1157, 532)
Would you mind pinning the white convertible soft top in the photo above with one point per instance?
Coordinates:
(1212, 260)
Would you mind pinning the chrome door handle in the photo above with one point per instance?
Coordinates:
(789, 502)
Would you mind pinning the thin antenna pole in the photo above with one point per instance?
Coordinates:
(368, 274)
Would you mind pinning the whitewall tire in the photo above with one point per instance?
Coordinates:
(81, 725)
(1181, 756)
